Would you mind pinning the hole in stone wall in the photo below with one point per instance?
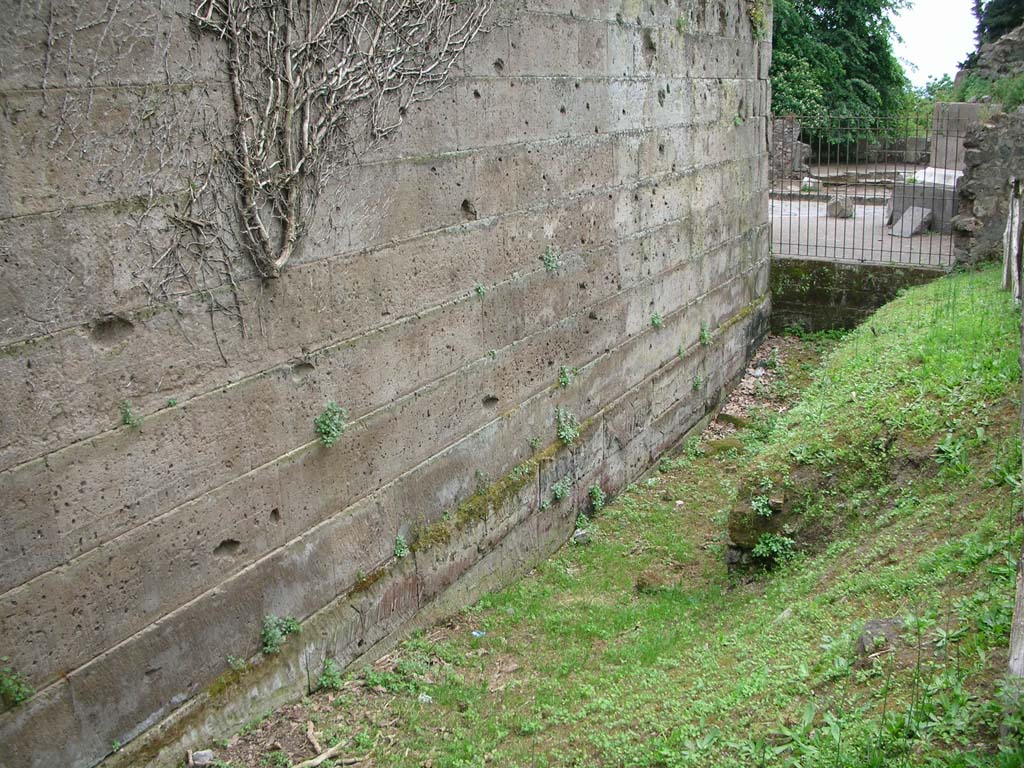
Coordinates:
(275, 515)
(110, 330)
(490, 401)
(227, 547)
(499, 65)
(649, 47)
(476, 94)
(468, 209)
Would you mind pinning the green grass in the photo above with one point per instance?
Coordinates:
(575, 665)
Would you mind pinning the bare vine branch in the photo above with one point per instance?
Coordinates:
(314, 80)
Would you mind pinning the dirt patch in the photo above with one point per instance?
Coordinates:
(780, 361)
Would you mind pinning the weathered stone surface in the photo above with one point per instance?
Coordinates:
(789, 155)
(939, 198)
(138, 557)
(993, 157)
(1001, 58)
(820, 295)
(913, 221)
(878, 636)
(839, 208)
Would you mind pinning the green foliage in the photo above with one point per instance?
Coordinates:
(401, 547)
(996, 18)
(836, 56)
(1007, 90)
(682, 24)
(562, 488)
(597, 498)
(534, 443)
(276, 759)
(480, 290)
(550, 259)
(128, 417)
(330, 425)
(774, 548)
(656, 320)
(951, 453)
(275, 631)
(698, 383)
(567, 426)
(758, 18)
(171, 403)
(237, 664)
(705, 335)
(14, 689)
(566, 374)
(761, 505)
(330, 676)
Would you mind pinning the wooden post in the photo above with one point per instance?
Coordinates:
(1015, 683)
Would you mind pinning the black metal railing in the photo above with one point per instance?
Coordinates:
(868, 189)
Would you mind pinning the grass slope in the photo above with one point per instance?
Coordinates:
(641, 649)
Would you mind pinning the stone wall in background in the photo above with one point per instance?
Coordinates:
(994, 154)
(1001, 58)
(163, 487)
(789, 155)
(818, 295)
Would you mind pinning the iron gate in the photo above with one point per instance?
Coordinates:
(880, 189)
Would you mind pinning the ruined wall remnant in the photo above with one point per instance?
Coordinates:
(994, 155)
(819, 295)
(588, 194)
(789, 155)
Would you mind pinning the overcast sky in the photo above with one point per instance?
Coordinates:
(937, 35)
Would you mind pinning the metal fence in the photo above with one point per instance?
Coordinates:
(880, 190)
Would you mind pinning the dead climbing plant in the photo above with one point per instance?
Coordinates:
(315, 82)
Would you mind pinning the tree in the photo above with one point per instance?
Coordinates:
(836, 56)
(996, 18)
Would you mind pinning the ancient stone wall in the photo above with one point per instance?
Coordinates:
(819, 295)
(789, 155)
(163, 488)
(994, 154)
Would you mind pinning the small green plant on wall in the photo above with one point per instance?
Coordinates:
(480, 290)
(656, 320)
(550, 259)
(682, 24)
(566, 374)
(597, 498)
(401, 547)
(330, 425)
(13, 688)
(567, 426)
(128, 417)
(275, 631)
(758, 18)
(561, 489)
(705, 335)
